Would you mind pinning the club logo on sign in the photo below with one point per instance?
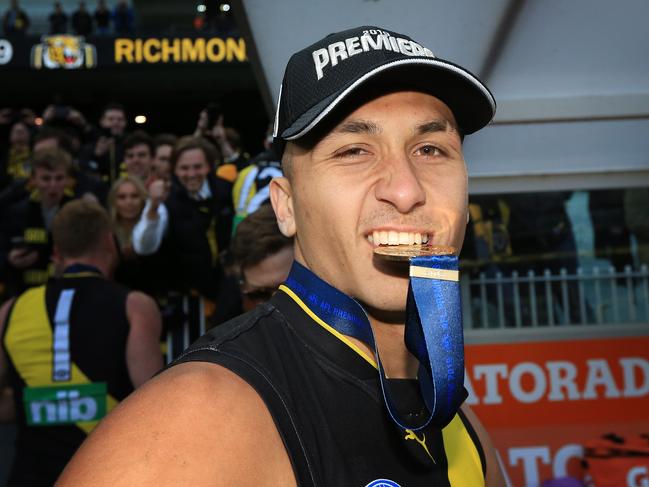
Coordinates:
(63, 51)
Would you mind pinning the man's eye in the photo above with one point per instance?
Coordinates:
(429, 151)
(350, 152)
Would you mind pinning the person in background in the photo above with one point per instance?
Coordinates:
(164, 146)
(186, 224)
(16, 154)
(15, 20)
(81, 183)
(82, 21)
(125, 204)
(263, 256)
(58, 20)
(251, 187)
(123, 18)
(26, 236)
(104, 153)
(138, 155)
(75, 347)
(102, 18)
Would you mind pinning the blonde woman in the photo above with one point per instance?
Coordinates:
(125, 203)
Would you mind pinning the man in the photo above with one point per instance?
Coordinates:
(262, 255)
(82, 21)
(27, 224)
(138, 155)
(15, 21)
(192, 223)
(58, 20)
(370, 137)
(164, 146)
(75, 347)
(104, 154)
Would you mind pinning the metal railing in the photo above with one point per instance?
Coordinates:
(595, 296)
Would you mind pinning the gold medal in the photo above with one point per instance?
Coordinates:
(407, 252)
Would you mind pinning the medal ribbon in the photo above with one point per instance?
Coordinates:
(433, 331)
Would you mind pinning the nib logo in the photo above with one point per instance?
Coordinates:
(47, 406)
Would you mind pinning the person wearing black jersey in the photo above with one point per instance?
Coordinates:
(317, 387)
(73, 348)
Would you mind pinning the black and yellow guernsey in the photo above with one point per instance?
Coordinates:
(66, 345)
(325, 397)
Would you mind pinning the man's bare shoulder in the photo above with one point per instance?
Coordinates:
(195, 424)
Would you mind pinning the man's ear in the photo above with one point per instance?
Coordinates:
(281, 197)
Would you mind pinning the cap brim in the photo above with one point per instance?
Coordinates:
(468, 98)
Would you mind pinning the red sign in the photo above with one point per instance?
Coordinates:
(541, 401)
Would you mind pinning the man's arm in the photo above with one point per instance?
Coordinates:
(195, 424)
(143, 355)
(150, 229)
(494, 474)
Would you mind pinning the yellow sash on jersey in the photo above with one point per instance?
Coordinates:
(29, 342)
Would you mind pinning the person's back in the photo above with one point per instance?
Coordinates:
(73, 348)
(72, 373)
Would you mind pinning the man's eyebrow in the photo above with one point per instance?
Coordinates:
(357, 127)
(433, 126)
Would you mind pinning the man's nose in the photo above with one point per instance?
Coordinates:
(400, 185)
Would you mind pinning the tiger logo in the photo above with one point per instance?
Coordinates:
(63, 51)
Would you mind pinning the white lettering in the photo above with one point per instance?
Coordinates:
(416, 49)
(491, 373)
(320, 59)
(353, 46)
(563, 456)
(368, 42)
(37, 407)
(599, 374)
(404, 46)
(538, 388)
(631, 388)
(529, 456)
(637, 477)
(562, 375)
(337, 50)
(83, 409)
(394, 44)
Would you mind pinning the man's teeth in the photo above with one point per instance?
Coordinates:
(385, 237)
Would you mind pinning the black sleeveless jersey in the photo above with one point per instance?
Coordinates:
(325, 399)
(66, 347)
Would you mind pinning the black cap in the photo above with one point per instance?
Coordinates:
(317, 79)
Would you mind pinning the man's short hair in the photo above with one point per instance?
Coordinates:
(79, 227)
(113, 106)
(165, 139)
(137, 138)
(257, 237)
(63, 140)
(51, 160)
(184, 144)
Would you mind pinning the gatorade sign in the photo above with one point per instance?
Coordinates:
(48, 406)
(542, 401)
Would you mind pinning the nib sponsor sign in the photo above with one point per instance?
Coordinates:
(542, 401)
